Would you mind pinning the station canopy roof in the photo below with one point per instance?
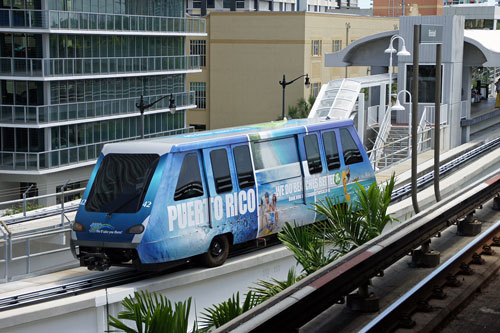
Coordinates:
(481, 48)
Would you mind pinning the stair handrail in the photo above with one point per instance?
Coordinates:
(421, 127)
(381, 137)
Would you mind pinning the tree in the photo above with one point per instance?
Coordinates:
(219, 314)
(153, 313)
(302, 108)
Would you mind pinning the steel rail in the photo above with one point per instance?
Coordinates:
(423, 181)
(300, 303)
(390, 318)
(72, 288)
(104, 281)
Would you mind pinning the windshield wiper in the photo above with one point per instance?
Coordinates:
(114, 210)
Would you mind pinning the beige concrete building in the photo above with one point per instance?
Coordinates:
(245, 56)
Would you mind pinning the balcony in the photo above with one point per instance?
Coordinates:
(76, 67)
(14, 161)
(57, 21)
(39, 115)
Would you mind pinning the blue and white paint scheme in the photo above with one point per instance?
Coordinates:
(165, 199)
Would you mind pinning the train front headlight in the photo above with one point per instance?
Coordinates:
(78, 227)
(136, 229)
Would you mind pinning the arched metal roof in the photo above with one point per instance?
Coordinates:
(481, 48)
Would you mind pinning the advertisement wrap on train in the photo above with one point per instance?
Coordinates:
(167, 199)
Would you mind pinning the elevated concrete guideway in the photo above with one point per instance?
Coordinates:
(88, 312)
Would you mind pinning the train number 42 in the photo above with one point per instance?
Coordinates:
(146, 204)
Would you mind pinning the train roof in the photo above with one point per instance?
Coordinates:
(163, 145)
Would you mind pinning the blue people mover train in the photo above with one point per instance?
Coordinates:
(163, 200)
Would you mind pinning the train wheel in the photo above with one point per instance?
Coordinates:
(217, 252)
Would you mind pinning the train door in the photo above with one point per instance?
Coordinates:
(315, 174)
(220, 188)
(246, 198)
(336, 172)
(355, 165)
(279, 183)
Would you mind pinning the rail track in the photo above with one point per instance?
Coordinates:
(424, 307)
(299, 306)
(107, 280)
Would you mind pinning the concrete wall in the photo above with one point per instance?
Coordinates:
(248, 53)
(88, 312)
(452, 61)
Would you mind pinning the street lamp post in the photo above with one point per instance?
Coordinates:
(284, 84)
(390, 50)
(142, 107)
(399, 107)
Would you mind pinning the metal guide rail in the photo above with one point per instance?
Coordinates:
(433, 287)
(428, 178)
(72, 288)
(107, 280)
(302, 302)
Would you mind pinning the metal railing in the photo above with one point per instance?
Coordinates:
(66, 156)
(96, 66)
(9, 241)
(42, 114)
(69, 20)
(387, 153)
(382, 135)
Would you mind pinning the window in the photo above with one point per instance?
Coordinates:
(226, 3)
(244, 169)
(196, 4)
(121, 183)
(331, 150)
(199, 47)
(426, 82)
(316, 47)
(189, 183)
(210, 3)
(312, 153)
(240, 4)
(200, 94)
(220, 169)
(275, 153)
(351, 152)
(336, 45)
(315, 88)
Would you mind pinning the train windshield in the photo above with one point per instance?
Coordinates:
(121, 183)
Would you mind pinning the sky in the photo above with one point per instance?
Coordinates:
(366, 3)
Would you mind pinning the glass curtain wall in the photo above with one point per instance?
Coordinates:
(91, 46)
(167, 8)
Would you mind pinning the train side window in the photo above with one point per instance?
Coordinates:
(220, 168)
(351, 152)
(331, 150)
(189, 184)
(244, 169)
(312, 153)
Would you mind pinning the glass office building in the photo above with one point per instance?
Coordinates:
(71, 73)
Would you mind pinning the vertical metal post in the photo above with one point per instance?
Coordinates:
(62, 201)
(28, 250)
(414, 116)
(283, 104)
(24, 199)
(347, 27)
(437, 120)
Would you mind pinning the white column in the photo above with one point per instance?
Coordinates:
(381, 109)
(361, 117)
